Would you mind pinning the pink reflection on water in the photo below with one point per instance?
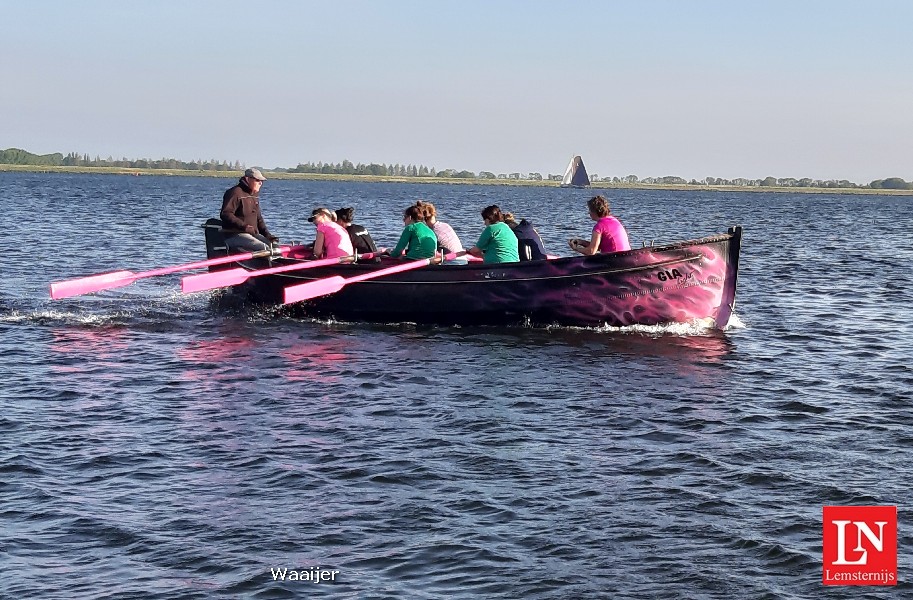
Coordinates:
(311, 361)
(90, 360)
(103, 342)
(212, 362)
(84, 350)
(216, 351)
(224, 358)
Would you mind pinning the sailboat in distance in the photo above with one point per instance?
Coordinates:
(575, 176)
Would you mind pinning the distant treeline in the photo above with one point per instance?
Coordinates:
(892, 183)
(346, 167)
(397, 170)
(15, 156)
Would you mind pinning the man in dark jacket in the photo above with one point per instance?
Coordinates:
(242, 223)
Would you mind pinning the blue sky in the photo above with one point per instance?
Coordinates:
(807, 88)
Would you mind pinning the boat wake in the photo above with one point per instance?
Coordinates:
(101, 311)
(170, 310)
(735, 323)
(57, 317)
(695, 327)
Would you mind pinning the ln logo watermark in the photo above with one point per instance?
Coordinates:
(860, 545)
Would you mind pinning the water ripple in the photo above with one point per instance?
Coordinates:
(160, 446)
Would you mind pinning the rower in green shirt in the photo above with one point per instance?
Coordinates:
(417, 239)
(497, 244)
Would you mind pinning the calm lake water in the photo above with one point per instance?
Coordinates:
(155, 446)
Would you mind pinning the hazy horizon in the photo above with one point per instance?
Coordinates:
(657, 88)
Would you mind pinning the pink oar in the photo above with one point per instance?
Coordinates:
(331, 285)
(211, 281)
(107, 281)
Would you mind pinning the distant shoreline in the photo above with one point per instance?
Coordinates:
(599, 185)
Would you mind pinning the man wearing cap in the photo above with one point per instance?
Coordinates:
(242, 222)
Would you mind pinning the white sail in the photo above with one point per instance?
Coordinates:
(569, 173)
(575, 176)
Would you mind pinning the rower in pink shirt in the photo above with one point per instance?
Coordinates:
(332, 240)
(609, 234)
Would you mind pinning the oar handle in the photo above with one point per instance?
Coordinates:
(406, 266)
(223, 260)
(331, 285)
(230, 277)
(310, 264)
(321, 262)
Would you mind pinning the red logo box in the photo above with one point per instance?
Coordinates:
(860, 545)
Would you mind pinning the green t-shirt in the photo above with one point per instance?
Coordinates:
(498, 244)
(418, 240)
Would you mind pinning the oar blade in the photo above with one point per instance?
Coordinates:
(87, 285)
(313, 289)
(210, 281)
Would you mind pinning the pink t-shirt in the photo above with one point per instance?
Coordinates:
(336, 240)
(447, 237)
(614, 236)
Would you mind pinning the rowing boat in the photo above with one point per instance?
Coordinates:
(667, 283)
